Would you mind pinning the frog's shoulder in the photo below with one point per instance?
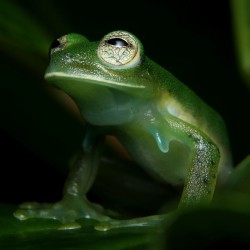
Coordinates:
(181, 102)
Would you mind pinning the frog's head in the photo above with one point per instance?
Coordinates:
(107, 79)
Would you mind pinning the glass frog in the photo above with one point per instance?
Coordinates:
(165, 127)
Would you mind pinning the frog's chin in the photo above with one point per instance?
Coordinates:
(100, 102)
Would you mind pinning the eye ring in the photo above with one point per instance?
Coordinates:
(119, 48)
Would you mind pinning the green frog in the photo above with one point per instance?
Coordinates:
(164, 126)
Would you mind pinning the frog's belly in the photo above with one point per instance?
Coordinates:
(170, 167)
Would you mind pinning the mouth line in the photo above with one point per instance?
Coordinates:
(92, 78)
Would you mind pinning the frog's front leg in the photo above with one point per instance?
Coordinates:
(201, 175)
(74, 204)
(202, 172)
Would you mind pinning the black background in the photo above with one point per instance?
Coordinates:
(192, 39)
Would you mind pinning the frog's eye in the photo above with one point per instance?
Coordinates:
(58, 44)
(66, 41)
(119, 48)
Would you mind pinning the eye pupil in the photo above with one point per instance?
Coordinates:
(117, 42)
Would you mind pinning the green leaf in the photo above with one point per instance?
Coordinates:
(43, 234)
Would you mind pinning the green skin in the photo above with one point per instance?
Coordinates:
(165, 127)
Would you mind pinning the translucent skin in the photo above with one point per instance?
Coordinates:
(110, 95)
(165, 127)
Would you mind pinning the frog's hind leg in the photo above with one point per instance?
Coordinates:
(74, 204)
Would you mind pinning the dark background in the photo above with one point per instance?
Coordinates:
(192, 39)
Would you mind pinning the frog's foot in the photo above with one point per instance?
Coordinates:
(67, 211)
